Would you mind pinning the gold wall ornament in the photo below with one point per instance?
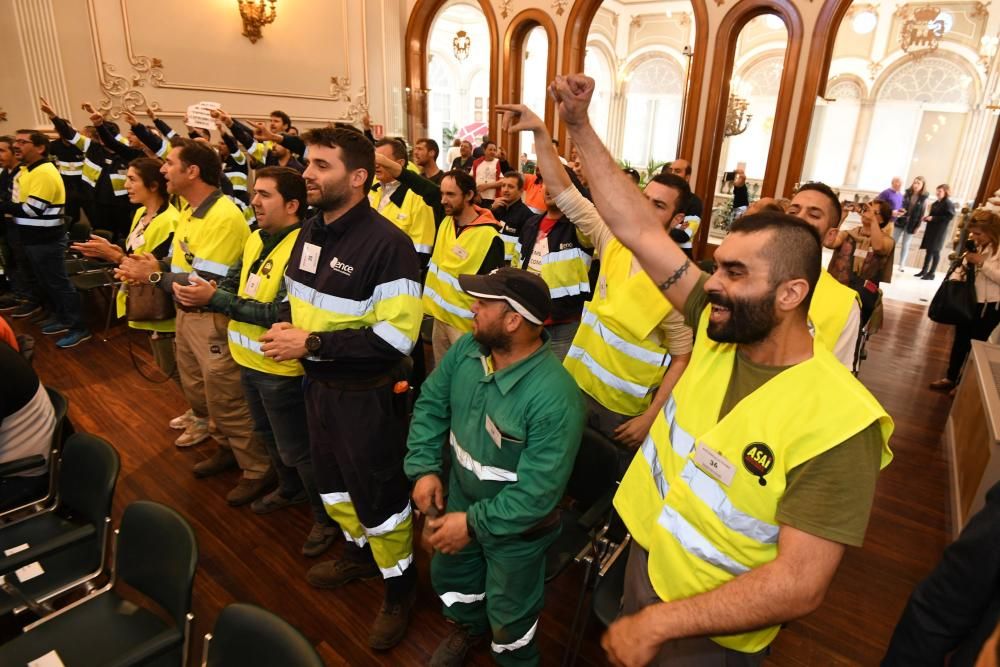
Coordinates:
(922, 30)
(121, 93)
(340, 87)
(874, 68)
(461, 45)
(559, 6)
(505, 8)
(255, 16)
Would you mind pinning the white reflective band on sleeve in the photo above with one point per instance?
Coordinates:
(164, 148)
(335, 497)
(398, 569)
(520, 643)
(681, 441)
(394, 337)
(451, 598)
(208, 266)
(422, 248)
(697, 544)
(713, 495)
(360, 541)
(653, 459)
(606, 376)
(394, 288)
(484, 473)
(570, 290)
(439, 300)
(622, 345)
(244, 342)
(568, 254)
(391, 523)
(38, 222)
(80, 141)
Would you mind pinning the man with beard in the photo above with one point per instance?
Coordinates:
(425, 155)
(514, 419)
(753, 479)
(353, 316)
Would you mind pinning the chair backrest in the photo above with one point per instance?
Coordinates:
(248, 636)
(87, 476)
(598, 467)
(157, 555)
(61, 406)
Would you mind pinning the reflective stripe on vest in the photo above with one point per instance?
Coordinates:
(512, 250)
(453, 256)
(566, 272)
(482, 472)
(701, 531)
(91, 171)
(38, 222)
(71, 168)
(244, 338)
(414, 217)
(118, 184)
(238, 180)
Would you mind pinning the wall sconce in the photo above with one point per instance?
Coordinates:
(737, 116)
(255, 16)
(461, 45)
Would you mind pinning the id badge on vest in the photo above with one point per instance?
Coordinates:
(714, 464)
(310, 257)
(538, 254)
(253, 284)
(460, 252)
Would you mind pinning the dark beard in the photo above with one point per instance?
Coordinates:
(329, 200)
(496, 341)
(750, 320)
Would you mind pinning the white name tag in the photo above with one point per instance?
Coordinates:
(310, 257)
(50, 659)
(860, 254)
(461, 252)
(714, 464)
(538, 255)
(400, 216)
(602, 287)
(253, 284)
(494, 432)
(27, 572)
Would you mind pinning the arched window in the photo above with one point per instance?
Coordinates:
(596, 66)
(758, 84)
(832, 135)
(533, 80)
(653, 111)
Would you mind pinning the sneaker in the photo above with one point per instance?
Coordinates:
(26, 310)
(929, 276)
(274, 501)
(320, 538)
(390, 625)
(181, 423)
(51, 328)
(72, 339)
(340, 571)
(452, 650)
(250, 489)
(197, 431)
(220, 461)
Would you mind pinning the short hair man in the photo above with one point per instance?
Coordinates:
(425, 156)
(398, 203)
(465, 159)
(210, 237)
(488, 170)
(354, 360)
(468, 241)
(37, 216)
(693, 209)
(251, 295)
(19, 282)
(509, 209)
(733, 550)
(510, 410)
(835, 312)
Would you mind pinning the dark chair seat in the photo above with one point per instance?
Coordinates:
(106, 625)
(607, 597)
(248, 636)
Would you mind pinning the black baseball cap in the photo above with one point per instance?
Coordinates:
(525, 292)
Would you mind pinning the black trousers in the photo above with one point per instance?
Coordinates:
(987, 319)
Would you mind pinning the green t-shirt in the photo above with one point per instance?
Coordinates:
(829, 496)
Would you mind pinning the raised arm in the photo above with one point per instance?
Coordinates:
(631, 217)
(519, 118)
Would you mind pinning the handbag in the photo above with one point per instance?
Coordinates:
(955, 301)
(148, 303)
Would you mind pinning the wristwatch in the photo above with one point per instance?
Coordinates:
(154, 277)
(313, 343)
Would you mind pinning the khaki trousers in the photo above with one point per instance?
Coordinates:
(443, 336)
(211, 383)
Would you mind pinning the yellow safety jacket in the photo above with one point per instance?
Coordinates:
(160, 228)
(453, 256)
(262, 285)
(209, 238)
(408, 211)
(703, 494)
(40, 191)
(830, 308)
(614, 358)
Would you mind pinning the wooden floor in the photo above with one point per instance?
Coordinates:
(244, 557)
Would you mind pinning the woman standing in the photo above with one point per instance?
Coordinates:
(941, 213)
(870, 248)
(152, 232)
(984, 231)
(914, 202)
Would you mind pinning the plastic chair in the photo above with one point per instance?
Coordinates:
(248, 636)
(157, 555)
(69, 541)
(63, 429)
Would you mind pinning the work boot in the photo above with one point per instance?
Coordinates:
(320, 538)
(181, 423)
(195, 432)
(220, 461)
(340, 571)
(452, 650)
(250, 489)
(274, 501)
(390, 625)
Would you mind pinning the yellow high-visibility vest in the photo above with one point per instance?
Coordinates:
(453, 256)
(157, 231)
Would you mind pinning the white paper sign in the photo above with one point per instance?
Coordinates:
(50, 659)
(28, 571)
(200, 115)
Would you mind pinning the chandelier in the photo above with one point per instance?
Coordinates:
(737, 116)
(461, 44)
(923, 30)
(255, 16)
